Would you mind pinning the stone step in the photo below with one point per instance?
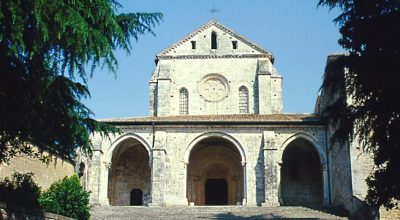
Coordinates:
(210, 212)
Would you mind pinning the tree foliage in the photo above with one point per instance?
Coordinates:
(66, 197)
(20, 190)
(371, 35)
(46, 47)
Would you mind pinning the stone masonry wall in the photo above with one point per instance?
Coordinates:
(44, 174)
(361, 167)
(341, 185)
(178, 139)
(190, 74)
(219, 95)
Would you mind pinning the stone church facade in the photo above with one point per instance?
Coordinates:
(216, 135)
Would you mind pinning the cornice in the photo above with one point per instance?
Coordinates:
(226, 126)
(213, 56)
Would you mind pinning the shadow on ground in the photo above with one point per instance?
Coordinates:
(272, 217)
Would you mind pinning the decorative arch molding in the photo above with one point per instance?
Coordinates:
(225, 136)
(122, 138)
(313, 142)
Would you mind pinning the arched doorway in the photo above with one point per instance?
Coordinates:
(129, 175)
(136, 197)
(215, 173)
(216, 192)
(301, 175)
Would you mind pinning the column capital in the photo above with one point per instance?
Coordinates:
(108, 165)
(324, 167)
(269, 140)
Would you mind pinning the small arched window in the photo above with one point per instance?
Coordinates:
(183, 101)
(243, 100)
(213, 40)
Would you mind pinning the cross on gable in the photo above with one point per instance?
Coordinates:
(213, 10)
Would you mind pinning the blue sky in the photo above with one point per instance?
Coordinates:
(297, 32)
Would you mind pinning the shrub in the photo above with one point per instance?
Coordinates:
(20, 190)
(66, 197)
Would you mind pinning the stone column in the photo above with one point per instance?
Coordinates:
(94, 172)
(103, 198)
(270, 170)
(193, 190)
(158, 169)
(325, 189)
(244, 201)
(157, 178)
(238, 194)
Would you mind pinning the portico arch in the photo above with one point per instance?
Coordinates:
(199, 138)
(126, 166)
(303, 173)
(110, 151)
(215, 165)
(319, 149)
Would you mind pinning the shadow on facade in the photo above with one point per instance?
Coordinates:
(260, 174)
(301, 175)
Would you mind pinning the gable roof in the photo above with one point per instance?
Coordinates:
(214, 23)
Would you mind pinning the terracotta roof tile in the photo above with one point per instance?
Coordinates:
(219, 118)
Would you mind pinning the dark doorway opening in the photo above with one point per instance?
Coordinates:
(136, 197)
(216, 192)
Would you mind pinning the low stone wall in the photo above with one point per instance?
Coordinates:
(44, 174)
(389, 214)
(18, 213)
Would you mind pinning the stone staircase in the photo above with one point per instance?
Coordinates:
(209, 212)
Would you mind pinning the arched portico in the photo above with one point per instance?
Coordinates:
(303, 174)
(116, 183)
(228, 137)
(215, 172)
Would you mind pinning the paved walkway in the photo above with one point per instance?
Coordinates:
(210, 212)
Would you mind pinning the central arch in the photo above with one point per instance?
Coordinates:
(215, 172)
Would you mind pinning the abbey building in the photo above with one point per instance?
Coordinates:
(216, 135)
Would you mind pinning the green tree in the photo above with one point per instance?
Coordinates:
(46, 46)
(371, 35)
(20, 190)
(66, 197)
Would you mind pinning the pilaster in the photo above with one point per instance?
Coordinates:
(153, 98)
(158, 169)
(271, 170)
(276, 94)
(163, 92)
(264, 87)
(94, 178)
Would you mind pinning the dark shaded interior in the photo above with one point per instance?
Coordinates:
(136, 197)
(301, 175)
(216, 192)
